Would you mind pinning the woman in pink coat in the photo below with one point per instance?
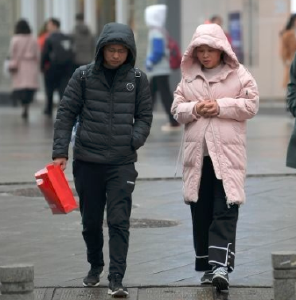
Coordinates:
(215, 98)
(24, 63)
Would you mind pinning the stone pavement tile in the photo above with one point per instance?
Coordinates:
(89, 293)
(179, 293)
(44, 294)
(250, 294)
(157, 293)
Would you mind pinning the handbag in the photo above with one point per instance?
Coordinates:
(55, 188)
(5, 69)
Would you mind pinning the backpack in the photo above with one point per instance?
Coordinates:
(62, 50)
(83, 70)
(175, 53)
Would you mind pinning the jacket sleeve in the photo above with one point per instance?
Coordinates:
(246, 104)
(291, 91)
(45, 54)
(143, 113)
(182, 109)
(69, 108)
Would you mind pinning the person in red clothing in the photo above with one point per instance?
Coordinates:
(42, 35)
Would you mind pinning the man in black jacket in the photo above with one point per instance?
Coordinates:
(57, 62)
(115, 121)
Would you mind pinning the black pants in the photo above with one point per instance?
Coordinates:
(55, 79)
(214, 223)
(161, 84)
(97, 185)
(25, 96)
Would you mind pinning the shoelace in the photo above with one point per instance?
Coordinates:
(220, 271)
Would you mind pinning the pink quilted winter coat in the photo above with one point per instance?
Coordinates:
(236, 93)
(24, 52)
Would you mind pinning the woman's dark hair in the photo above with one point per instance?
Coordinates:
(290, 23)
(22, 27)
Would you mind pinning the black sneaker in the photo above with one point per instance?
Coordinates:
(93, 277)
(220, 279)
(207, 277)
(116, 289)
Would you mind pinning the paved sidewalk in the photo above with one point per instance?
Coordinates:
(161, 256)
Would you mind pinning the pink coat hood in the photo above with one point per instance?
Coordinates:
(236, 93)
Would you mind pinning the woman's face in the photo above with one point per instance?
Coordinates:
(209, 57)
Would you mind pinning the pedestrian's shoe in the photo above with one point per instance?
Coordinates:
(93, 277)
(207, 277)
(116, 289)
(220, 278)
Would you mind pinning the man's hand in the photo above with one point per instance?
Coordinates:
(207, 108)
(61, 162)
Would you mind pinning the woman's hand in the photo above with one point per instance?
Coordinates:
(207, 108)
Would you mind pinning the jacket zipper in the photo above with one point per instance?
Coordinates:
(215, 142)
(111, 112)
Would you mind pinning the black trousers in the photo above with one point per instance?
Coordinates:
(98, 185)
(55, 79)
(214, 223)
(161, 84)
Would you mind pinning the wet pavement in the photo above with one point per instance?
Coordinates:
(161, 256)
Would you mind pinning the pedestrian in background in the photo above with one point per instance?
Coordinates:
(157, 61)
(216, 19)
(57, 62)
(115, 120)
(24, 65)
(83, 41)
(214, 99)
(42, 35)
(291, 105)
(288, 47)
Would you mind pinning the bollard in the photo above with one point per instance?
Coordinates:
(17, 282)
(284, 274)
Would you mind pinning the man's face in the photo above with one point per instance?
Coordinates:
(50, 27)
(114, 55)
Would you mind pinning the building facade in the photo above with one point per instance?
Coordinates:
(253, 24)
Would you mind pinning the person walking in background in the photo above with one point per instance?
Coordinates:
(57, 62)
(157, 60)
(115, 120)
(214, 99)
(216, 19)
(288, 47)
(84, 42)
(42, 35)
(24, 65)
(291, 105)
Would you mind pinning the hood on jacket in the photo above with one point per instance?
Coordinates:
(213, 36)
(117, 33)
(155, 15)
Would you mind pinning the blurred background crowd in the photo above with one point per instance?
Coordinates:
(261, 32)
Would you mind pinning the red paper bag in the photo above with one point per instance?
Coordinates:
(54, 186)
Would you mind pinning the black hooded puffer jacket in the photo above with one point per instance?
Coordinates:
(116, 120)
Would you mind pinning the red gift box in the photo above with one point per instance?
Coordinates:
(54, 186)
